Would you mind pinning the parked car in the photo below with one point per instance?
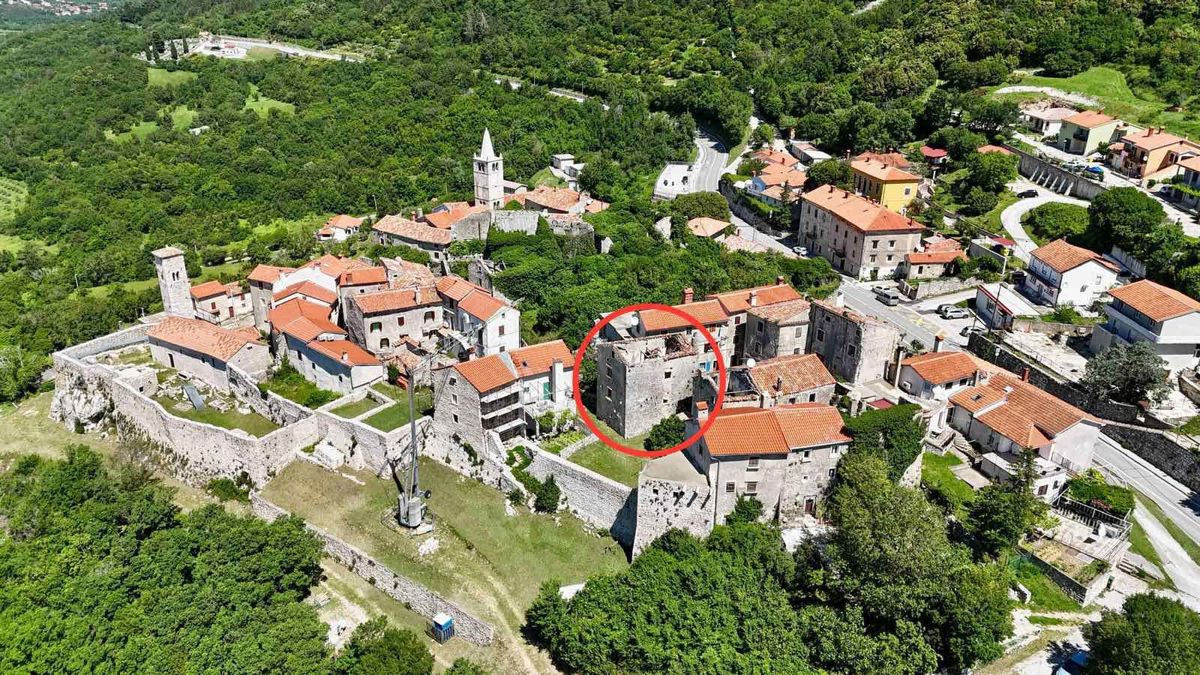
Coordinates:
(952, 312)
(1027, 194)
(888, 296)
(801, 251)
(967, 330)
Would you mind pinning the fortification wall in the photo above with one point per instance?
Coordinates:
(487, 464)
(270, 405)
(414, 596)
(597, 500)
(664, 505)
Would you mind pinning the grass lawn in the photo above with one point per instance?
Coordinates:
(396, 415)
(546, 177)
(182, 117)
(262, 54)
(608, 462)
(13, 194)
(351, 410)
(491, 563)
(1045, 595)
(290, 384)
(252, 423)
(1188, 544)
(936, 474)
(1050, 621)
(159, 77)
(307, 225)
(139, 131)
(556, 444)
(206, 273)
(1191, 427)
(263, 105)
(1140, 544)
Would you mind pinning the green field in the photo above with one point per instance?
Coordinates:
(263, 105)
(13, 194)
(224, 270)
(352, 410)
(252, 423)
(1109, 87)
(396, 415)
(1045, 595)
(158, 77)
(182, 117)
(607, 462)
(262, 54)
(937, 476)
(546, 177)
(139, 131)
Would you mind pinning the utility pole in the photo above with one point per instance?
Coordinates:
(410, 504)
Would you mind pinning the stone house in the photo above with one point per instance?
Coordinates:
(548, 200)
(1148, 312)
(640, 381)
(262, 280)
(1064, 274)
(931, 264)
(786, 457)
(857, 236)
(395, 230)
(778, 329)
(204, 351)
(335, 365)
(478, 322)
(383, 320)
(738, 304)
(782, 380)
(1006, 414)
(360, 281)
(855, 347)
(475, 397)
(934, 377)
(222, 304)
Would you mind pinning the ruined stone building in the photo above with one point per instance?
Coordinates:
(204, 351)
(854, 347)
(799, 378)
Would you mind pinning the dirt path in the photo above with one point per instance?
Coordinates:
(1078, 99)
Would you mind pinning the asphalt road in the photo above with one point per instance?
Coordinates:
(861, 298)
(1011, 216)
(709, 163)
(1180, 505)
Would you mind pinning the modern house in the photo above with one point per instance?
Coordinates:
(478, 322)
(1148, 312)
(1007, 415)
(856, 235)
(1152, 154)
(935, 377)
(1083, 133)
(205, 351)
(339, 228)
(785, 457)
(807, 153)
(891, 187)
(1046, 122)
(1060, 273)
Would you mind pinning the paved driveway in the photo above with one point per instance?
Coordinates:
(1011, 216)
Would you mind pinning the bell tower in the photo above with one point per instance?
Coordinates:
(173, 282)
(489, 175)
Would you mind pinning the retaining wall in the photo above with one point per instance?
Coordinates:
(414, 596)
(1173, 454)
(928, 288)
(1052, 177)
(1084, 594)
(597, 500)
(664, 505)
(270, 405)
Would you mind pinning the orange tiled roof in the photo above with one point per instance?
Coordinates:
(1089, 119)
(1156, 301)
(334, 349)
(779, 430)
(739, 301)
(775, 175)
(790, 374)
(208, 289)
(942, 367)
(487, 373)
(895, 159)
(769, 156)
(934, 257)
(413, 231)
(1192, 163)
(887, 173)
(344, 222)
(481, 305)
(1023, 413)
(985, 149)
(862, 214)
(553, 198)
(456, 288)
(444, 220)
(302, 320)
(268, 274)
(396, 299)
(782, 312)
(363, 277)
(310, 289)
(333, 266)
(203, 337)
(1061, 256)
(407, 273)
(706, 227)
(538, 359)
(1153, 139)
(707, 312)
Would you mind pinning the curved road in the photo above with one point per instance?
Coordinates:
(710, 162)
(1011, 216)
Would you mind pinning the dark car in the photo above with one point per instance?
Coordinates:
(1027, 194)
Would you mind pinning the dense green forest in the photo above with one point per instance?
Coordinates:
(100, 572)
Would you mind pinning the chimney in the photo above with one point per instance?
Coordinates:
(1025, 374)
(688, 294)
(937, 342)
(701, 411)
(778, 383)
(345, 357)
(754, 298)
(556, 381)
(780, 280)
(420, 213)
(839, 300)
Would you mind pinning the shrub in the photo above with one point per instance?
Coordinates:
(226, 490)
(318, 398)
(546, 496)
(1091, 488)
(668, 432)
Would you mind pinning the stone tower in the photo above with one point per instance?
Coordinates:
(173, 282)
(489, 175)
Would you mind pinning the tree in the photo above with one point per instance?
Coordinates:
(1120, 216)
(20, 371)
(547, 496)
(959, 143)
(1128, 373)
(745, 510)
(700, 204)
(376, 647)
(893, 435)
(829, 172)
(666, 433)
(990, 171)
(1152, 635)
(1056, 220)
(463, 666)
(763, 135)
(601, 178)
(1002, 513)
(978, 201)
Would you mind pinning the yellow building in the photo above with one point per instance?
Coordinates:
(892, 187)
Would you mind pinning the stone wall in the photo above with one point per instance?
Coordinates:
(486, 464)
(664, 505)
(928, 288)
(1050, 327)
(524, 222)
(272, 406)
(1054, 178)
(595, 499)
(738, 206)
(414, 596)
(1174, 454)
(912, 475)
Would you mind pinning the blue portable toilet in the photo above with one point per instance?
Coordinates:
(443, 627)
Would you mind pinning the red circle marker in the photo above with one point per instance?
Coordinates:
(582, 410)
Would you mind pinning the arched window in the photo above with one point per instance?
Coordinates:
(376, 326)
(385, 343)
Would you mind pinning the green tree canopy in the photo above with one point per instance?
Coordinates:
(1152, 635)
(1129, 373)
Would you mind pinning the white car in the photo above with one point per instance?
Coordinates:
(801, 251)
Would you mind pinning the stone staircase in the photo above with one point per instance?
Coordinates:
(949, 439)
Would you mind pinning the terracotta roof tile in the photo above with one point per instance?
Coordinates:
(887, 173)
(268, 274)
(413, 231)
(344, 222)
(1023, 413)
(770, 156)
(456, 288)
(934, 257)
(302, 320)
(308, 289)
(942, 367)
(739, 301)
(1089, 119)
(989, 148)
(708, 313)
(333, 266)
(1156, 301)
(444, 220)
(538, 359)
(707, 227)
(481, 305)
(791, 374)
(335, 349)
(1061, 256)
(202, 337)
(779, 430)
(363, 277)
(1152, 139)
(890, 158)
(488, 373)
(860, 213)
(407, 273)
(775, 175)
(783, 312)
(208, 289)
(396, 299)
(552, 198)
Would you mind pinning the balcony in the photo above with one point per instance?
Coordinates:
(504, 421)
(500, 404)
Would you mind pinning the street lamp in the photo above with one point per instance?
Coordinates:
(410, 503)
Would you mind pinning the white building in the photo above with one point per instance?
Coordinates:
(339, 228)
(489, 174)
(1148, 312)
(1046, 121)
(935, 377)
(204, 351)
(222, 304)
(1060, 273)
(482, 324)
